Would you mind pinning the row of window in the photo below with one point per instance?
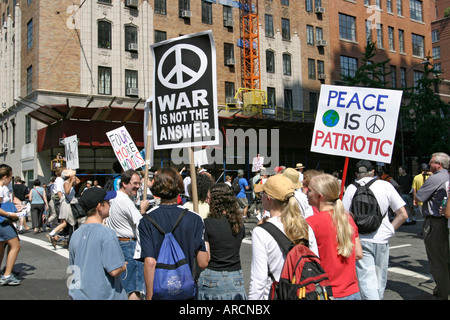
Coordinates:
(347, 31)
(105, 36)
(349, 66)
(415, 7)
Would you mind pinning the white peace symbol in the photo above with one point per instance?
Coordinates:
(179, 68)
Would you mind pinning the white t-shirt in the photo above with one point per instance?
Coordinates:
(267, 255)
(387, 197)
(58, 185)
(123, 216)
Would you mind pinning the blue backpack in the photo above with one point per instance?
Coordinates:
(173, 277)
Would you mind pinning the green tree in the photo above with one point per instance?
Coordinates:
(369, 73)
(425, 116)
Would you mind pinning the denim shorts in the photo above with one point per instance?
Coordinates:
(7, 231)
(133, 278)
(221, 285)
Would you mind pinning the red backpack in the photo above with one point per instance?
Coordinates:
(302, 276)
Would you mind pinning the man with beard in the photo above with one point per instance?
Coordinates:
(123, 219)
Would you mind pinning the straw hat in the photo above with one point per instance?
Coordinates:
(293, 175)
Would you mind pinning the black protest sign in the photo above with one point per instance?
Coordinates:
(185, 92)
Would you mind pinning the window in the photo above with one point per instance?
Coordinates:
(418, 75)
(29, 79)
(183, 5)
(399, 8)
(160, 36)
(403, 77)
(30, 34)
(436, 52)
(285, 2)
(271, 97)
(313, 101)
(401, 41)
(415, 9)
(131, 37)
(270, 61)
(288, 99)
(378, 4)
(229, 90)
(312, 69)
(310, 35)
(309, 5)
(131, 81)
(391, 38)
(320, 67)
(207, 12)
(27, 129)
(319, 33)
(379, 35)
(393, 77)
(418, 45)
(349, 66)
(287, 64)
(347, 27)
(104, 80)
(437, 67)
(227, 15)
(228, 51)
(105, 1)
(367, 2)
(269, 25)
(435, 36)
(285, 29)
(318, 3)
(160, 7)
(104, 35)
(389, 6)
(368, 31)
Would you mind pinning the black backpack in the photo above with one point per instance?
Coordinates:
(235, 185)
(365, 209)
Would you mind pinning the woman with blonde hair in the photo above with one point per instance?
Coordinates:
(337, 236)
(267, 256)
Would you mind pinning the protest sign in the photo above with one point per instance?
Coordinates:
(125, 149)
(71, 152)
(258, 163)
(356, 122)
(185, 92)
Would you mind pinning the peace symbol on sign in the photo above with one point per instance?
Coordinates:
(375, 124)
(174, 79)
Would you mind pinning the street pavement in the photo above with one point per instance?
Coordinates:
(43, 270)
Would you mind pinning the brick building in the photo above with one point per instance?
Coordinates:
(85, 67)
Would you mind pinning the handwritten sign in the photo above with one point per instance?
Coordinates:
(71, 152)
(125, 149)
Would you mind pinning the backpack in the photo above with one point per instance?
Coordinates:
(302, 276)
(235, 185)
(365, 209)
(173, 278)
(110, 185)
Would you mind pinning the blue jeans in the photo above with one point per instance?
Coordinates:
(355, 296)
(221, 285)
(372, 270)
(133, 278)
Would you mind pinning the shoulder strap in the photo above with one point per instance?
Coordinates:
(157, 226)
(368, 184)
(283, 241)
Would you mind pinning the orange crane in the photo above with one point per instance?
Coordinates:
(251, 77)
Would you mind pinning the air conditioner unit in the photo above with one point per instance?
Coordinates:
(132, 47)
(320, 10)
(132, 92)
(132, 3)
(230, 100)
(5, 145)
(230, 62)
(228, 23)
(321, 76)
(186, 14)
(321, 43)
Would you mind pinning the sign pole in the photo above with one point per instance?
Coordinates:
(194, 194)
(344, 175)
(148, 154)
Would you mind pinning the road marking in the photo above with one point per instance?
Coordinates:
(409, 273)
(400, 246)
(46, 245)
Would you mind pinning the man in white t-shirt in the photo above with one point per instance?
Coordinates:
(123, 218)
(372, 268)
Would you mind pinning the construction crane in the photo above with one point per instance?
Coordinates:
(251, 78)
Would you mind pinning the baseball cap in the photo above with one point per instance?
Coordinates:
(93, 196)
(364, 163)
(278, 187)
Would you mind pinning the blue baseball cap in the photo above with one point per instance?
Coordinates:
(93, 196)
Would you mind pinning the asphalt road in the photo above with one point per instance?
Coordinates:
(43, 270)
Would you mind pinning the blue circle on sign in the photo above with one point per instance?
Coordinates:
(330, 118)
